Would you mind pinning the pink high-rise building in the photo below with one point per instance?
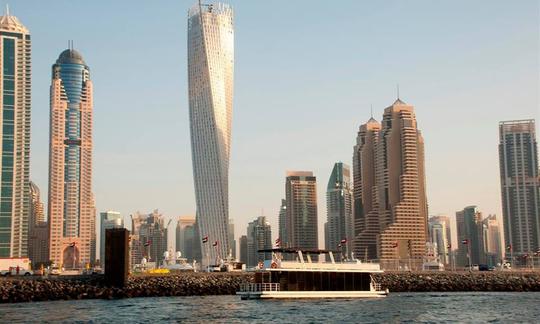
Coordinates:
(71, 201)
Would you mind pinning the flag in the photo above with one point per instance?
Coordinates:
(205, 239)
(343, 241)
(147, 243)
(339, 245)
(72, 244)
(465, 241)
(278, 242)
(449, 246)
(215, 243)
(509, 247)
(395, 244)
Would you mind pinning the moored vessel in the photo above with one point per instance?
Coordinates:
(303, 278)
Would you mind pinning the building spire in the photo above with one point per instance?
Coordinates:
(371, 105)
(397, 88)
(7, 9)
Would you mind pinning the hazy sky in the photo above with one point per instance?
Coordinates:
(306, 73)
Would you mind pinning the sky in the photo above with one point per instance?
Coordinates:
(306, 75)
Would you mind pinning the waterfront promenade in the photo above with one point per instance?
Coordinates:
(200, 284)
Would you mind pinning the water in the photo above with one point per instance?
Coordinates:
(397, 307)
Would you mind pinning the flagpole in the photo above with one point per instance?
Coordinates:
(207, 258)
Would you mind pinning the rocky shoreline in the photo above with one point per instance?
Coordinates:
(198, 284)
(459, 281)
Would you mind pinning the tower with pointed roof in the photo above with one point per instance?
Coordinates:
(366, 221)
(71, 200)
(339, 213)
(389, 189)
(15, 50)
(401, 188)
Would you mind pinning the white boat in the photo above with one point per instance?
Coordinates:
(278, 278)
(175, 263)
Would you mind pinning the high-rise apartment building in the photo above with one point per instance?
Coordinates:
(492, 240)
(210, 76)
(232, 241)
(259, 237)
(339, 213)
(109, 219)
(301, 213)
(15, 136)
(390, 195)
(366, 205)
(243, 249)
(470, 236)
(38, 229)
(71, 208)
(439, 234)
(185, 236)
(401, 186)
(520, 186)
(282, 223)
(148, 237)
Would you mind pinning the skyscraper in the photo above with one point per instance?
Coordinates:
(339, 213)
(366, 204)
(243, 249)
(109, 219)
(232, 241)
(210, 74)
(185, 236)
(439, 234)
(402, 192)
(259, 237)
(492, 240)
(282, 222)
(15, 137)
(470, 236)
(520, 185)
(390, 195)
(72, 213)
(301, 212)
(38, 229)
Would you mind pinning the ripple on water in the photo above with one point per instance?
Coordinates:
(405, 307)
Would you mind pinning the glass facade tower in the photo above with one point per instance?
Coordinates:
(210, 73)
(339, 211)
(520, 186)
(71, 201)
(15, 137)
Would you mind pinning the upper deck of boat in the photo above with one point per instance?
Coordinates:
(304, 262)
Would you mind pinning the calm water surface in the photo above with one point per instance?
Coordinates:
(405, 307)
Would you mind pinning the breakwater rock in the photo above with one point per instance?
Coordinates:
(459, 281)
(91, 287)
(14, 290)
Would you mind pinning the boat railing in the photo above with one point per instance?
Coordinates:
(257, 287)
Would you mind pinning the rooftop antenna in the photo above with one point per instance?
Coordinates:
(397, 86)
(371, 110)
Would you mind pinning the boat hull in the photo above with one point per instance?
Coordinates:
(310, 294)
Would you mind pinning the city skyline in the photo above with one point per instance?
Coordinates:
(484, 192)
